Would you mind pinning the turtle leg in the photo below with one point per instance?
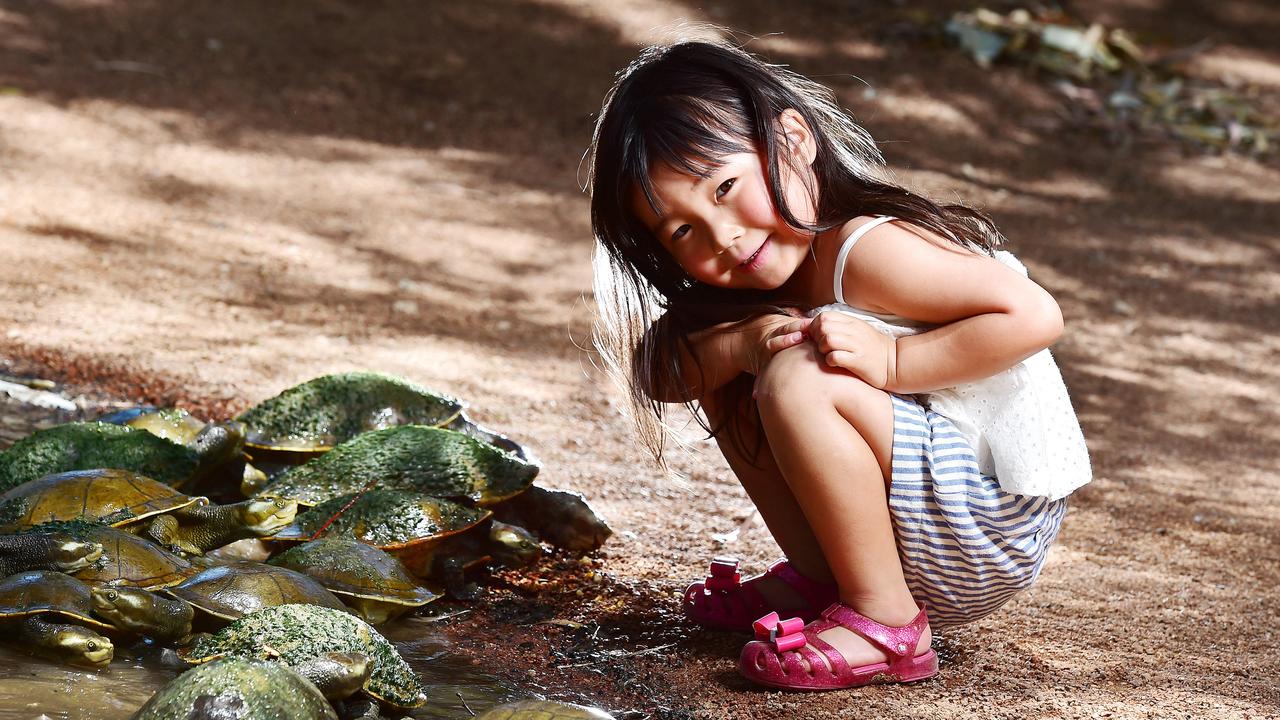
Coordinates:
(452, 572)
(165, 531)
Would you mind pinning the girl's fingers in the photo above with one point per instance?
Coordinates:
(781, 342)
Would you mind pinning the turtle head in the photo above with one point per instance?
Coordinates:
(513, 546)
(81, 646)
(142, 612)
(69, 555)
(266, 516)
(337, 675)
(219, 443)
(252, 481)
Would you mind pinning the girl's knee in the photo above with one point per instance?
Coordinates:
(797, 377)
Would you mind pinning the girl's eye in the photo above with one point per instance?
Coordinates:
(679, 233)
(724, 187)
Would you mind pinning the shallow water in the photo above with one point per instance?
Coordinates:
(32, 688)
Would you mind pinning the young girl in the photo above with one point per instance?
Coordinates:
(874, 372)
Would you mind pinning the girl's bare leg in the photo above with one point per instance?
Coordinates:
(831, 436)
(756, 469)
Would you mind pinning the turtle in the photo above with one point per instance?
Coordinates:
(220, 445)
(435, 538)
(90, 445)
(208, 600)
(34, 608)
(437, 462)
(312, 418)
(294, 634)
(125, 499)
(372, 583)
(196, 530)
(560, 517)
(543, 710)
(55, 551)
(239, 688)
(127, 560)
(116, 497)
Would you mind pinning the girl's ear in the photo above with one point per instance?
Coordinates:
(797, 136)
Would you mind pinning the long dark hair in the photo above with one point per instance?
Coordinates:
(686, 106)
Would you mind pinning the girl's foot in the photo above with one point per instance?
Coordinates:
(842, 649)
(727, 602)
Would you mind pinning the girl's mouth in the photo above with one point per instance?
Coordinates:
(756, 259)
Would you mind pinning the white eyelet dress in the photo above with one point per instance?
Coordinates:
(980, 475)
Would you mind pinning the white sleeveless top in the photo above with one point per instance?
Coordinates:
(1019, 422)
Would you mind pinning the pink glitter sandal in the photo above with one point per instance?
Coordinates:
(725, 602)
(783, 655)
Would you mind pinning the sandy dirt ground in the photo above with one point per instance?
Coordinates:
(203, 203)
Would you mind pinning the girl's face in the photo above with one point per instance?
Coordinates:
(723, 229)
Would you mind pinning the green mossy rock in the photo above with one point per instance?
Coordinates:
(88, 446)
(238, 688)
(294, 634)
(428, 460)
(333, 409)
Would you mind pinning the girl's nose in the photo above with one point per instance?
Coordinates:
(726, 236)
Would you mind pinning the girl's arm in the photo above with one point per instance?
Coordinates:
(991, 317)
(720, 353)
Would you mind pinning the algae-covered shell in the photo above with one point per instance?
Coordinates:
(329, 410)
(295, 634)
(88, 446)
(116, 497)
(127, 560)
(423, 459)
(375, 584)
(237, 589)
(411, 526)
(543, 710)
(388, 519)
(238, 688)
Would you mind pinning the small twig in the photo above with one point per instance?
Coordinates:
(616, 655)
(464, 703)
(438, 618)
(130, 66)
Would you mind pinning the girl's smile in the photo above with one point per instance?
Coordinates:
(723, 228)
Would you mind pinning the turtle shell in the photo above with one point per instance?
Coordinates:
(327, 411)
(116, 497)
(127, 560)
(294, 634)
(411, 526)
(387, 519)
(238, 688)
(36, 592)
(350, 568)
(543, 710)
(87, 446)
(437, 462)
(237, 589)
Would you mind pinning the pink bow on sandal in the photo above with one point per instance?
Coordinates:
(791, 656)
(725, 601)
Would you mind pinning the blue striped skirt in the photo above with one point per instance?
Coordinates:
(966, 545)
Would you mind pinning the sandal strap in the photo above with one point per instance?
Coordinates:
(899, 643)
(815, 594)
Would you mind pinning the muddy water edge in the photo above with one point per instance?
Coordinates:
(461, 681)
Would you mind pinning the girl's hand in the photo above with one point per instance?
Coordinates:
(758, 339)
(855, 346)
